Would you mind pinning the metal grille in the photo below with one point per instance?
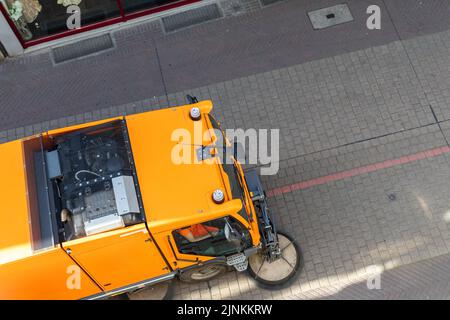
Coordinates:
(100, 204)
(267, 2)
(191, 17)
(82, 48)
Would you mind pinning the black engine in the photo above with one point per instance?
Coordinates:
(89, 163)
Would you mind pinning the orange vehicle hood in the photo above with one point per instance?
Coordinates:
(15, 236)
(173, 194)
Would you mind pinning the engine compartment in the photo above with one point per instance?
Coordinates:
(92, 181)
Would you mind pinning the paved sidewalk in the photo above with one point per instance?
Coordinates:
(426, 279)
(386, 219)
(343, 98)
(146, 63)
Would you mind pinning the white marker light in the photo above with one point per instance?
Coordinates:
(195, 113)
(218, 196)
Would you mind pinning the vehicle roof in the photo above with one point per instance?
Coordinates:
(15, 235)
(174, 194)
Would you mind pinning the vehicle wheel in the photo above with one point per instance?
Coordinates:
(203, 273)
(280, 273)
(160, 291)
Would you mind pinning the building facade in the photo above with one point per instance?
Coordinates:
(27, 23)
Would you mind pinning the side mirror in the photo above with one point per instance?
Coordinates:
(230, 233)
(191, 99)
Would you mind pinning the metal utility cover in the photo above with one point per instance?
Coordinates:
(331, 16)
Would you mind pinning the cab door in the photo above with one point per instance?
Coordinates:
(118, 258)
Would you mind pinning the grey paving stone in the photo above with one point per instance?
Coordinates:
(417, 17)
(432, 67)
(427, 279)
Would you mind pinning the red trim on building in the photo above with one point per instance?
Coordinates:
(122, 18)
(119, 4)
(72, 32)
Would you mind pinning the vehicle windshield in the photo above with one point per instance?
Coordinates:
(212, 238)
(236, 184)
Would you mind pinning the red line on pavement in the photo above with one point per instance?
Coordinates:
(358, 171)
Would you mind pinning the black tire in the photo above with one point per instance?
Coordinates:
(204, 272)
(171, 292)
(285, 282)
(122, 296)
(160, 291)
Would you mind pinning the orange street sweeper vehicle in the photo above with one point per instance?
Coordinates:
(100, 209)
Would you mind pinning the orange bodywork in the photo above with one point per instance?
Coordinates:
(173, 195)
(15, 238)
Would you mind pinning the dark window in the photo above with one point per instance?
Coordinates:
(214, 238)
(237, 191)
(131, 6)
(236, 184)
(214, 123)
(42, 18)
(35, 19)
